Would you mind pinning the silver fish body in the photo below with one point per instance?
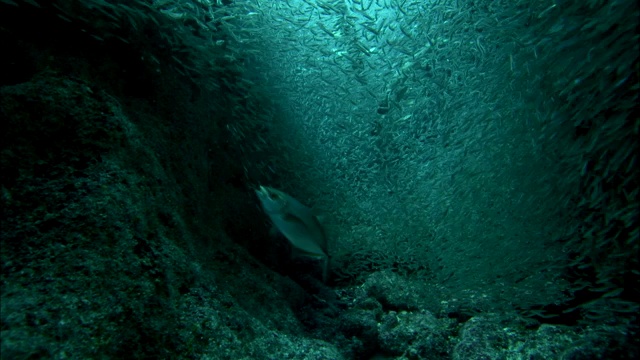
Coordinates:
(297, 223)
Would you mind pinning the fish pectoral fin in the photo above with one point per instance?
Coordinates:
(298, 252)
(290, 218)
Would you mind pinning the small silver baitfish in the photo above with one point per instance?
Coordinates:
(297, 223)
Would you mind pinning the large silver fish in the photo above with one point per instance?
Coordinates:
(297, 223)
